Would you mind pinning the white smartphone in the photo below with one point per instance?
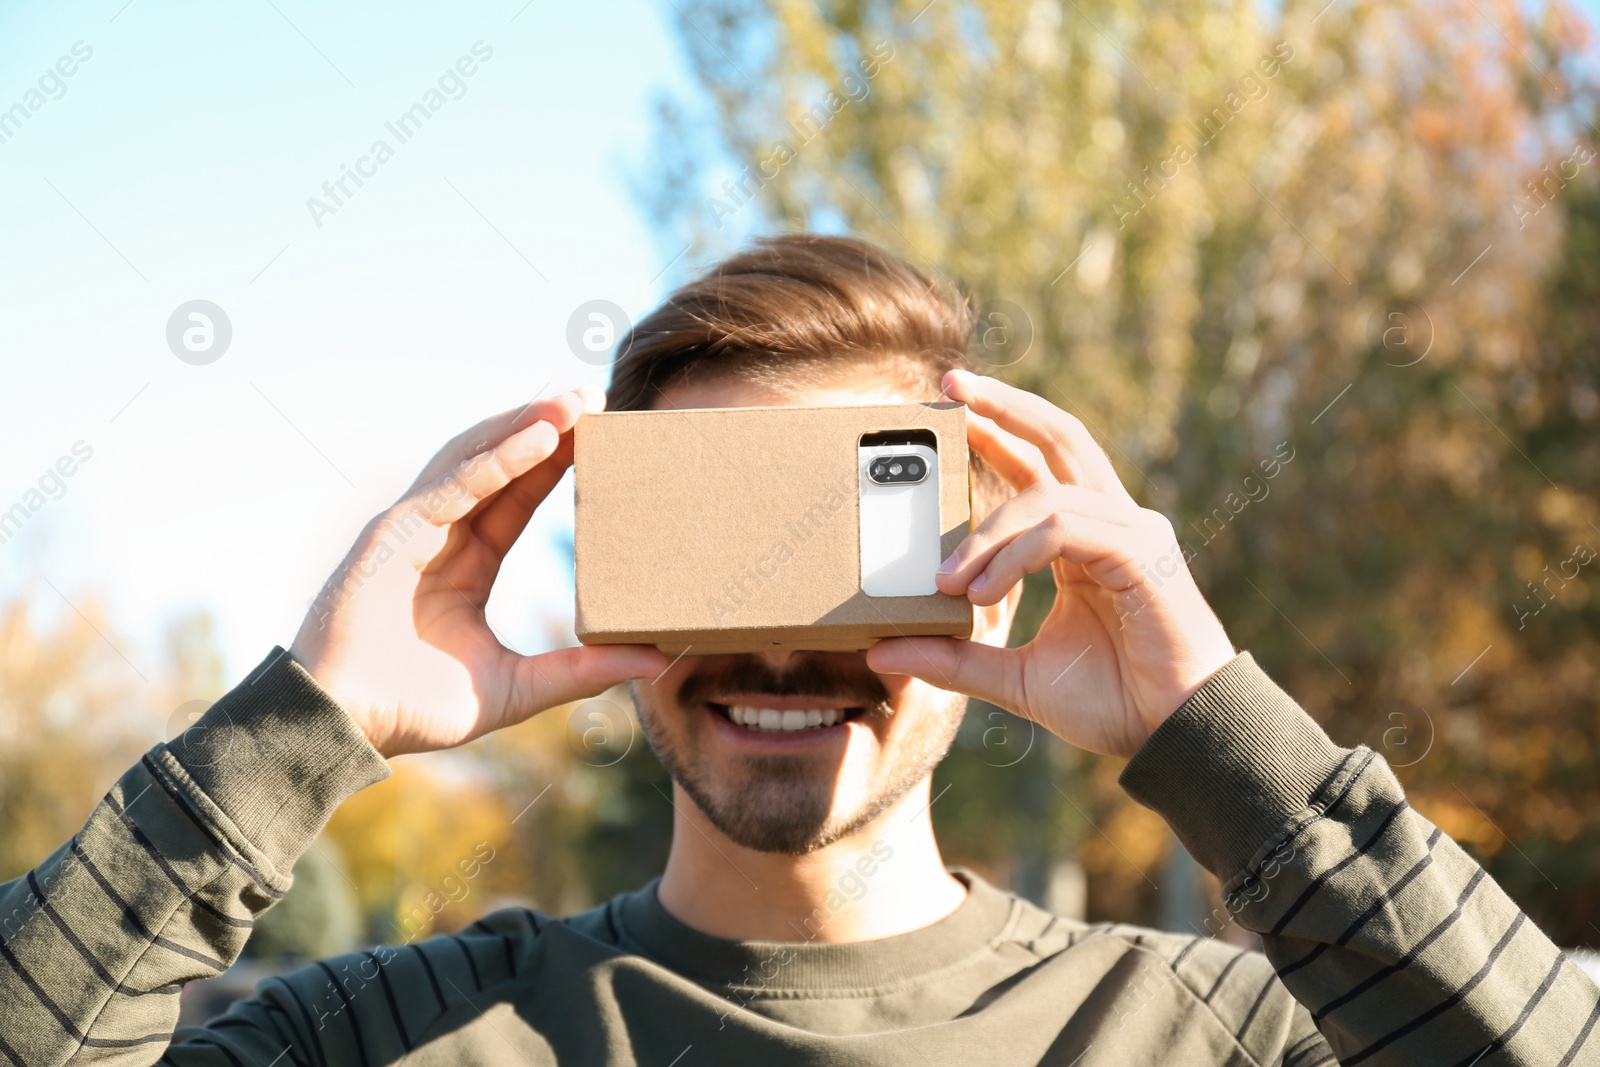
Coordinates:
(899, 519)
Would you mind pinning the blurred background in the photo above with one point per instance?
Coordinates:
(1323, 277)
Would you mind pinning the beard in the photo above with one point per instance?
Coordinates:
(787, 804)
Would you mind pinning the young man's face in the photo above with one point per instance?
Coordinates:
(782, 790)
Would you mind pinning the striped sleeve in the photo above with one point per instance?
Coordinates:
(1400, 946)
(163, 883)
(1246, 999)
(371, 1007)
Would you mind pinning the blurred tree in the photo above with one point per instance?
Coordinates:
(423, 849)
(1306, 271)
(75, 712)
(558, 813)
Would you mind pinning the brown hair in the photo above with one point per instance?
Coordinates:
(795, 310)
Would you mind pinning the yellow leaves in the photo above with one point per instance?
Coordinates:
(1098, 257)
(1457, 454)
(1107, 133)
(911, 182)
(1564, 509)
(1131, 839)
(1458, 818)
(73, 715)
(402, 836)
(1040, 46)
(1525, 817)
(452, 835)
(1565, 822)
(1467, 626)
(1432, 126)
(1405, 272)
(1527, 560)
(1338, 120)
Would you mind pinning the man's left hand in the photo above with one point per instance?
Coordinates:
(1129, 637)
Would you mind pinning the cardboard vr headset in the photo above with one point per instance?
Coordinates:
(718, 530)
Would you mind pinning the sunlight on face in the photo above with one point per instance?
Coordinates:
(793, 791)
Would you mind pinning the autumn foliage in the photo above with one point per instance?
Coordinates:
(1362, 234)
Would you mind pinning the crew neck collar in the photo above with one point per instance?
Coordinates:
(801, 966)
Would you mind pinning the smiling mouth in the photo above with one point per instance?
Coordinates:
(787, 720)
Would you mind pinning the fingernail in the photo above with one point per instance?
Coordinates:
(977, 583)
(948, 565)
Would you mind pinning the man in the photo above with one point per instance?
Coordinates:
(1385, 943)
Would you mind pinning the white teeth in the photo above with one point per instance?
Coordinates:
(776, 721)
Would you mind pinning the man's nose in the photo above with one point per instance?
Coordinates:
(779, 660)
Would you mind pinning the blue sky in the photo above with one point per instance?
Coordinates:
(175, 164)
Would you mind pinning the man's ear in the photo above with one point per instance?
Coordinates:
(992, 625)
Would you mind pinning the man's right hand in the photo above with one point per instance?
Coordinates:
(398, 635)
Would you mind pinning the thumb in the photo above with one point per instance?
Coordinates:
(958, 665)
(564, 675)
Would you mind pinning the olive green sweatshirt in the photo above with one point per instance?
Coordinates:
(1385, 943)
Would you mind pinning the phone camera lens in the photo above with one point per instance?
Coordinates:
(894, 468)
(913, 469)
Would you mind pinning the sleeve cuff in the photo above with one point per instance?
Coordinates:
(277, 755)
(1236, 763)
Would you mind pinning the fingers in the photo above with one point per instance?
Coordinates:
(469, 559)
(969, 667)
(1109, 553)
(499, 482)
(528, 456)
(1023, 512)
(473, 481)
(560, 411)
(506, 515)
(568, 674)
(1015, 460)
(1066, 444)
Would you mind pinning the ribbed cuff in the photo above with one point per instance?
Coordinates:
(1233, 766)
(277, 755)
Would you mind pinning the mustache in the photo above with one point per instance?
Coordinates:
(809, 677)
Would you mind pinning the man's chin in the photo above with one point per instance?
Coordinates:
(787, 817)
(794, 802)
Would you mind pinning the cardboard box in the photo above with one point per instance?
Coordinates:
(738, 529)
